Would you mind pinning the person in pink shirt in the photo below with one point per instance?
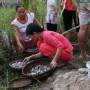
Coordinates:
(50, 44)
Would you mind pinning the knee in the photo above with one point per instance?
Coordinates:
(84, 28)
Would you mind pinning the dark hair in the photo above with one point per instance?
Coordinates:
(19, 6)
(31, 28)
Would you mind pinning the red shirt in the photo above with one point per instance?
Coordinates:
(69, 5)
(51, 41)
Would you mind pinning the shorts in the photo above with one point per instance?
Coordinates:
(51, 27)
(84, 16)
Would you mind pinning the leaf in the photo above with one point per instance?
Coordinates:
(26, 4)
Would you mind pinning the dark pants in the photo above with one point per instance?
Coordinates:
(68, 17)
(52, 27)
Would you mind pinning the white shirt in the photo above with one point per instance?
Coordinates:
(22, 27)
(51, 16)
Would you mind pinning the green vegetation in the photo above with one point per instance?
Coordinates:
(7, 54)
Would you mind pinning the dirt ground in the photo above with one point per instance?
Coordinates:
(68, 78)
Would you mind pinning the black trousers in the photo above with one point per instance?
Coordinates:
(52, 27)
(68, 17)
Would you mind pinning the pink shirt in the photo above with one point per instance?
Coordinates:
(51, 41)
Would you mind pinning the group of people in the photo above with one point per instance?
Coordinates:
(29, 31)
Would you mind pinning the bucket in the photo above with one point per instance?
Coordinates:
(88, 66)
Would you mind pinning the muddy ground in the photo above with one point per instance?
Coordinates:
(65, 77)
(68, 78)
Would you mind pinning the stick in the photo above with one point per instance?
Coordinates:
(71, 29)
(63, 8)
(37, 80)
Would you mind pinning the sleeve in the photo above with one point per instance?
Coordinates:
(32, 15)
(14, 23)
(53, 41)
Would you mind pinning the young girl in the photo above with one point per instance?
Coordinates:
(21, 22)
(51, 44)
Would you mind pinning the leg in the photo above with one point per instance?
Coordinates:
(83, 32)
(82, 38)
(67, 18)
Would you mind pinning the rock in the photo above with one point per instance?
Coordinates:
(49, 80)
(83, 70)
(72, 80)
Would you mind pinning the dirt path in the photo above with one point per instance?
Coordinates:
(68, 78)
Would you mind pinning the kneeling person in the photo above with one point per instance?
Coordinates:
(51, 44)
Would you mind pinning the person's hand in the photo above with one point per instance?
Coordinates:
(53, 63)
(26, 60)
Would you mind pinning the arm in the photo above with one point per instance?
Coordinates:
(58, 54)
(18, 38)
(56, 57)
(35, 21)
(34, 56)
(38, 23)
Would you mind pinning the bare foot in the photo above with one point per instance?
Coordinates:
(83, 57)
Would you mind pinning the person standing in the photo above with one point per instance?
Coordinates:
(69, 15)
(51, 17)
(84, 17)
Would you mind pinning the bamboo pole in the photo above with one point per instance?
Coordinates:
(71, 29)
(60, 13)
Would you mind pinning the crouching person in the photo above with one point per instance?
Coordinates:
(51, 44)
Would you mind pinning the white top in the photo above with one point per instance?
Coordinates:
(22, 27)
(51, 16)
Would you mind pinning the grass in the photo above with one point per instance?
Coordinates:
(6, 54)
